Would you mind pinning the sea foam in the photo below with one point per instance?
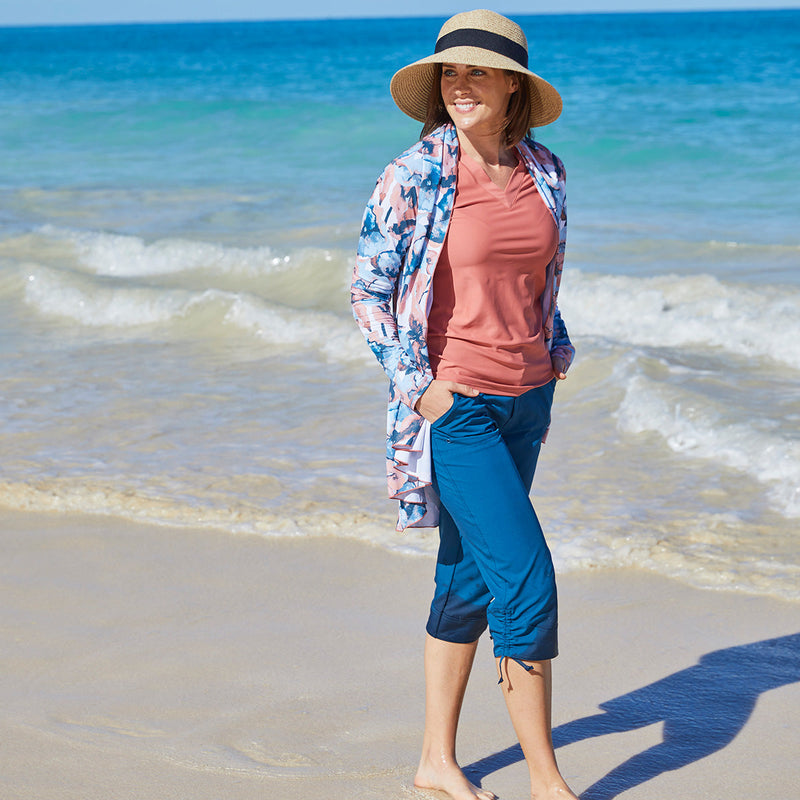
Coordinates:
(697, 311)
(130, 256)
(97, 303)
(693, 427)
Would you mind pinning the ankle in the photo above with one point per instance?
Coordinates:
(438, 758)
(556, 789)
(430, 769)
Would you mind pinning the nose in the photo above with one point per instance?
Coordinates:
(461, 84)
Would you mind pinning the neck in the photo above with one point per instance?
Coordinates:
(487, 149)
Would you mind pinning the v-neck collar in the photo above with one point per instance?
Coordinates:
(507, 195)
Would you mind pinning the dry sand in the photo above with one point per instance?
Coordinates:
(153, 663)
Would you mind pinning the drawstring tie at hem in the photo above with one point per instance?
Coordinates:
(526, 667)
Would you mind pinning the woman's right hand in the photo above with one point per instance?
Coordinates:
(438, 397)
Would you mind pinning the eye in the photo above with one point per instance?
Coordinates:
(448, 73)
(477, 72)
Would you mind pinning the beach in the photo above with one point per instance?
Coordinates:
(140, 662)
(203, 594)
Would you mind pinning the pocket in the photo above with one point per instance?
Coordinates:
(535, 408)
(447, 414)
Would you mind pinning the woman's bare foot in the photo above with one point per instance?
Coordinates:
(448, 778)
(557, 791)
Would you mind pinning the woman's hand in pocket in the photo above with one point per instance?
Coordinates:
(438, 397)
(559, 367)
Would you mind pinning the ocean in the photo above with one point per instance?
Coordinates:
(179, 210)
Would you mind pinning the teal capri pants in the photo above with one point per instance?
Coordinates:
(493, 567)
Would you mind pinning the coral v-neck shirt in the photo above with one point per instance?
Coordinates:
(485, 323)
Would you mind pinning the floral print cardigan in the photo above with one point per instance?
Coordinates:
(404, 228)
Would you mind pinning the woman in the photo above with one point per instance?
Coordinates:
(455, 286)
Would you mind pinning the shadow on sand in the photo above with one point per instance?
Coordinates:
(703, 708)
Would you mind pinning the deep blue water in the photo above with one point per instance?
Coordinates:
(688, 119)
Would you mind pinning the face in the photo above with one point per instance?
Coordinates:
(476, 98)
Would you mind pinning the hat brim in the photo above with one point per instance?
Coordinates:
(411, 85)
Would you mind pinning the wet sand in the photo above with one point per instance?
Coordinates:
(147, 662)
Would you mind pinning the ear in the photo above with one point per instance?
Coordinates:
(513, 83)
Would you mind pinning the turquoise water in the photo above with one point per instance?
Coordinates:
(684, 111)
(179, 206)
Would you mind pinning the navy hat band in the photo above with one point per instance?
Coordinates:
(486, 40)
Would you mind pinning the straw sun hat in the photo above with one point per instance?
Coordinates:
(480, 39)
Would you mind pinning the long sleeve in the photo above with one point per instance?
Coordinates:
(386, 234)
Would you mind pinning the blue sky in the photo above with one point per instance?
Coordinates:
(43, 12)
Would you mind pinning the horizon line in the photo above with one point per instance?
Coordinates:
(359, 17)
